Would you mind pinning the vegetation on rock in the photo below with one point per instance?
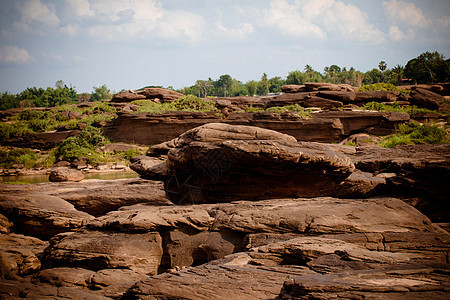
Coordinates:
(414, 133)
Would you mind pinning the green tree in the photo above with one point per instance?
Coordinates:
(223, 84)
(296, 77)
(101, 93)
(382, 66)
(8, 101)
(398, 72)
(428, 67)
(263, 85)
(251, 86)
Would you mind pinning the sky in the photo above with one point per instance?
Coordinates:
(129, 44)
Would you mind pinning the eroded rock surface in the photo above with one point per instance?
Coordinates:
(219, 163)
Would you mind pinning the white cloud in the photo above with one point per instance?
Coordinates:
(397, 35)
(81, 8)
(144, 18)
(239, 32)
(351, 23)
(405, 13)
(34, 11)
(70, 29)
(289, 21)
(319, 19)
(13, 54)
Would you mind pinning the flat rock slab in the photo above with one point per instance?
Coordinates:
(41, 215)
(303, 215)
(420, 281)
(99, 250)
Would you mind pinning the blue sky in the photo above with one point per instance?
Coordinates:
(128, 44)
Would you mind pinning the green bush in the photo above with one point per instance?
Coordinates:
(193, 103)
(382, 87)
(132, 152)
(413, 133)
(291, 107)
(18, 156)
(83, 145)
(13, 130)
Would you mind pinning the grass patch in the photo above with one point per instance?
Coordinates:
(413, 133)
(290, 108)
(382, 87)
(23, 156)
(395, 107)
(187, 103)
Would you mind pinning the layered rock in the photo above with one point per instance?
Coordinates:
(219, 162)
(156, 94)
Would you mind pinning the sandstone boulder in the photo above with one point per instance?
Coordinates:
(418, 171)
(41, 215)
(293, 88)
(219, 162)
(375, 96)
(95, 250)
(18, 255)
(324, 86)
(163, 95)
(65, 174)
(427, 99)
(5, 224)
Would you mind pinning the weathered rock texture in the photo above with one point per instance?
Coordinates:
(158, 94)
(65, 174)
(321, 127)
(218, 162)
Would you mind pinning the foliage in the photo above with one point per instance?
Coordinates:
(414, 133)
(187, 103)
(411, 110)
(292, 107)
(382, 87)
(193, 103)
(83, 145)
(101, 93)
(18, 156)
(131, 153)
(428, 67)
(11, 130)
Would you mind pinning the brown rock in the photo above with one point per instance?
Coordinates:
(345, 97)
(293, 88)
(41, 215)
(107, 196)
(323, 86)
(419, 170)
(219, 162)
(128, 96)
(5, 224)
(18, 255)
(195, 249)
(164, 95)
(419, 281)
(427, 99)
(95, 250)
(376, 96)
(65, 174)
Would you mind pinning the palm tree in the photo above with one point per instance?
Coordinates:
(398, 70)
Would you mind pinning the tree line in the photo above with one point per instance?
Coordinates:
(428, 67)
(50, 97)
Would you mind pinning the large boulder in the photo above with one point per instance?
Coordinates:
(426, 98)
(416, 171)
(95, 250)
(163, 95)
(219, 162)
(65, 174)
(41, 215)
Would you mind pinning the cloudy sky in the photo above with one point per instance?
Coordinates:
(128, 44)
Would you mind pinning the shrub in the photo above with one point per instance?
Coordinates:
(193, 103)
(413, 133)
(83, 145)
(291, 107)
(382, 87)
(132, 152)
(18, 156)
(13, 130)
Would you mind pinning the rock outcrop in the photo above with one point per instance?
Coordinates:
(218, 162)
(155, 94)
